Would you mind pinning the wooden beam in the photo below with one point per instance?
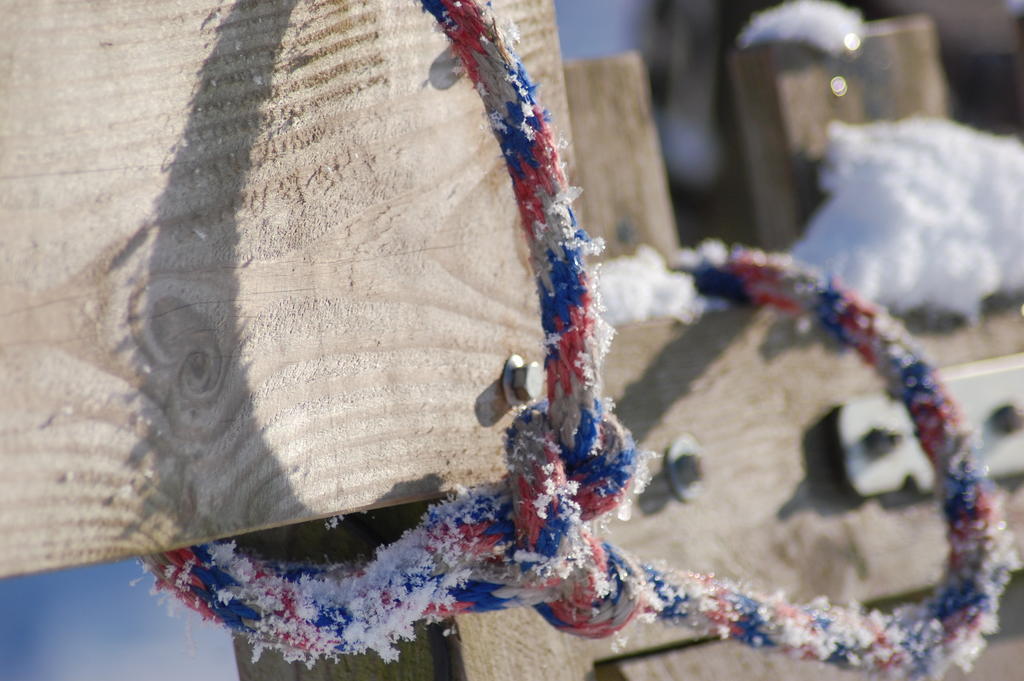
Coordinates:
(256, 269)
(520, 644)
(617, 156)
(787, 93)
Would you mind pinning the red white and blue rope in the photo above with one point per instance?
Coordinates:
(527, 541)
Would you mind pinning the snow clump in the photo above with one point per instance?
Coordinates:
(921, 213)
(829, 26)
(640, 287)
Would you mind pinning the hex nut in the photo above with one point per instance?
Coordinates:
(522, 382)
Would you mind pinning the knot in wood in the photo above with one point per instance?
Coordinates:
(184, 364)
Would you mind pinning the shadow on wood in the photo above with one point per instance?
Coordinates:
(196, 396)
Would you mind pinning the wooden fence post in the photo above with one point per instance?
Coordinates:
(787, 93)
(618, 156)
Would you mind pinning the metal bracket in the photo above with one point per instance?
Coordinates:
(880, 452)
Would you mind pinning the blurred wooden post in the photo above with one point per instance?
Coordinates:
(617, 156)
(1019, 22)
(787, 93)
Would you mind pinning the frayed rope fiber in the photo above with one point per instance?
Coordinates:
(527, 540)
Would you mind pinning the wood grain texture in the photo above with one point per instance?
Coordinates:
(617, 155)
(519, 644)
(756, 393)
(254, 268)
(727, 661)
(784, 103)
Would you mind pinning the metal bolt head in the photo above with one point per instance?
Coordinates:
(522, 382)
(881, 441)
(1008, 418)
(682, 466)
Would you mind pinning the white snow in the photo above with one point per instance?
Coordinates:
(921, 213)
(828, 25)
(640, 287)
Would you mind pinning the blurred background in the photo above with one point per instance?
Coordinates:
(92, 623)
(685, 44)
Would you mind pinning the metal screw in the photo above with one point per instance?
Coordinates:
(1008, 418)
(444, 71)
(521, 382)
(683, 468)
(881, 441)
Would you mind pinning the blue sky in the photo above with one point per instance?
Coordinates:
(91, 624)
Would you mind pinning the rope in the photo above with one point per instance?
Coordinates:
(527, 541)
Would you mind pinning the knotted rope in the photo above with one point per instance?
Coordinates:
(527, 541)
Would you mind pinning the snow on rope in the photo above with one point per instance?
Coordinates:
(527, 541)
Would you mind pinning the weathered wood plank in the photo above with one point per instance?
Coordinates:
(785, 100)
(617, 155)
(755, 391)
(254, 268)
(519, 644)
(720, 661)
